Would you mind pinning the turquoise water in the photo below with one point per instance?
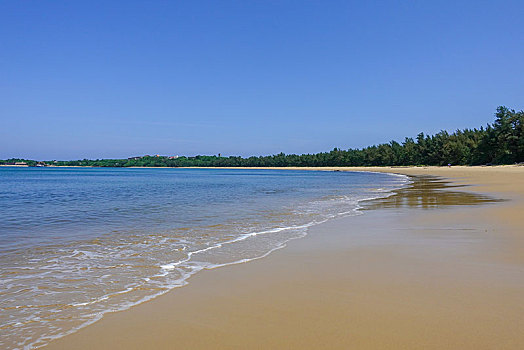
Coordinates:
(78, 242)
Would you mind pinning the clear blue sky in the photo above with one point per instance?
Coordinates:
(100, 79)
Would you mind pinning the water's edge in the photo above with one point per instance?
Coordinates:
(42, 342)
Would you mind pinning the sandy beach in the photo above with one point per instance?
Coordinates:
(439, 265)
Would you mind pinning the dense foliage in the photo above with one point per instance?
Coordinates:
(499, 143)
(13, 161)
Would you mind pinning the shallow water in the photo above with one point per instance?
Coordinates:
(431, 192)
(76, 243)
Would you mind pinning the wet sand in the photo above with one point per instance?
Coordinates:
(439, 265)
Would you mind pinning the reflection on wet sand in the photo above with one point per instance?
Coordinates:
(429, 192)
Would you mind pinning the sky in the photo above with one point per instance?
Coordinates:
(114, 79)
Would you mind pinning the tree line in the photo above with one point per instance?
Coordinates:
(499, 143)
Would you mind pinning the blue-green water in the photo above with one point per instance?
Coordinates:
(78, 242)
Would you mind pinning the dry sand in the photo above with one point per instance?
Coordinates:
(429, 268)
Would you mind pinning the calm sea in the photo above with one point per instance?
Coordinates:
(76, 243)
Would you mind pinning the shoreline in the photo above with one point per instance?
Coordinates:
(389, 169)
(137, 319)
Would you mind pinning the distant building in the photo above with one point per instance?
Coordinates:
(134, 158)
(20, 163)
(173, 157)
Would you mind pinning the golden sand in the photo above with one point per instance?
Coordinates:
(433, 267)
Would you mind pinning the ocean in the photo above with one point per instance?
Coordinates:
(76, 243)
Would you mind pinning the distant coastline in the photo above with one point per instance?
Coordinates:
(499, 143)
(389, 169)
